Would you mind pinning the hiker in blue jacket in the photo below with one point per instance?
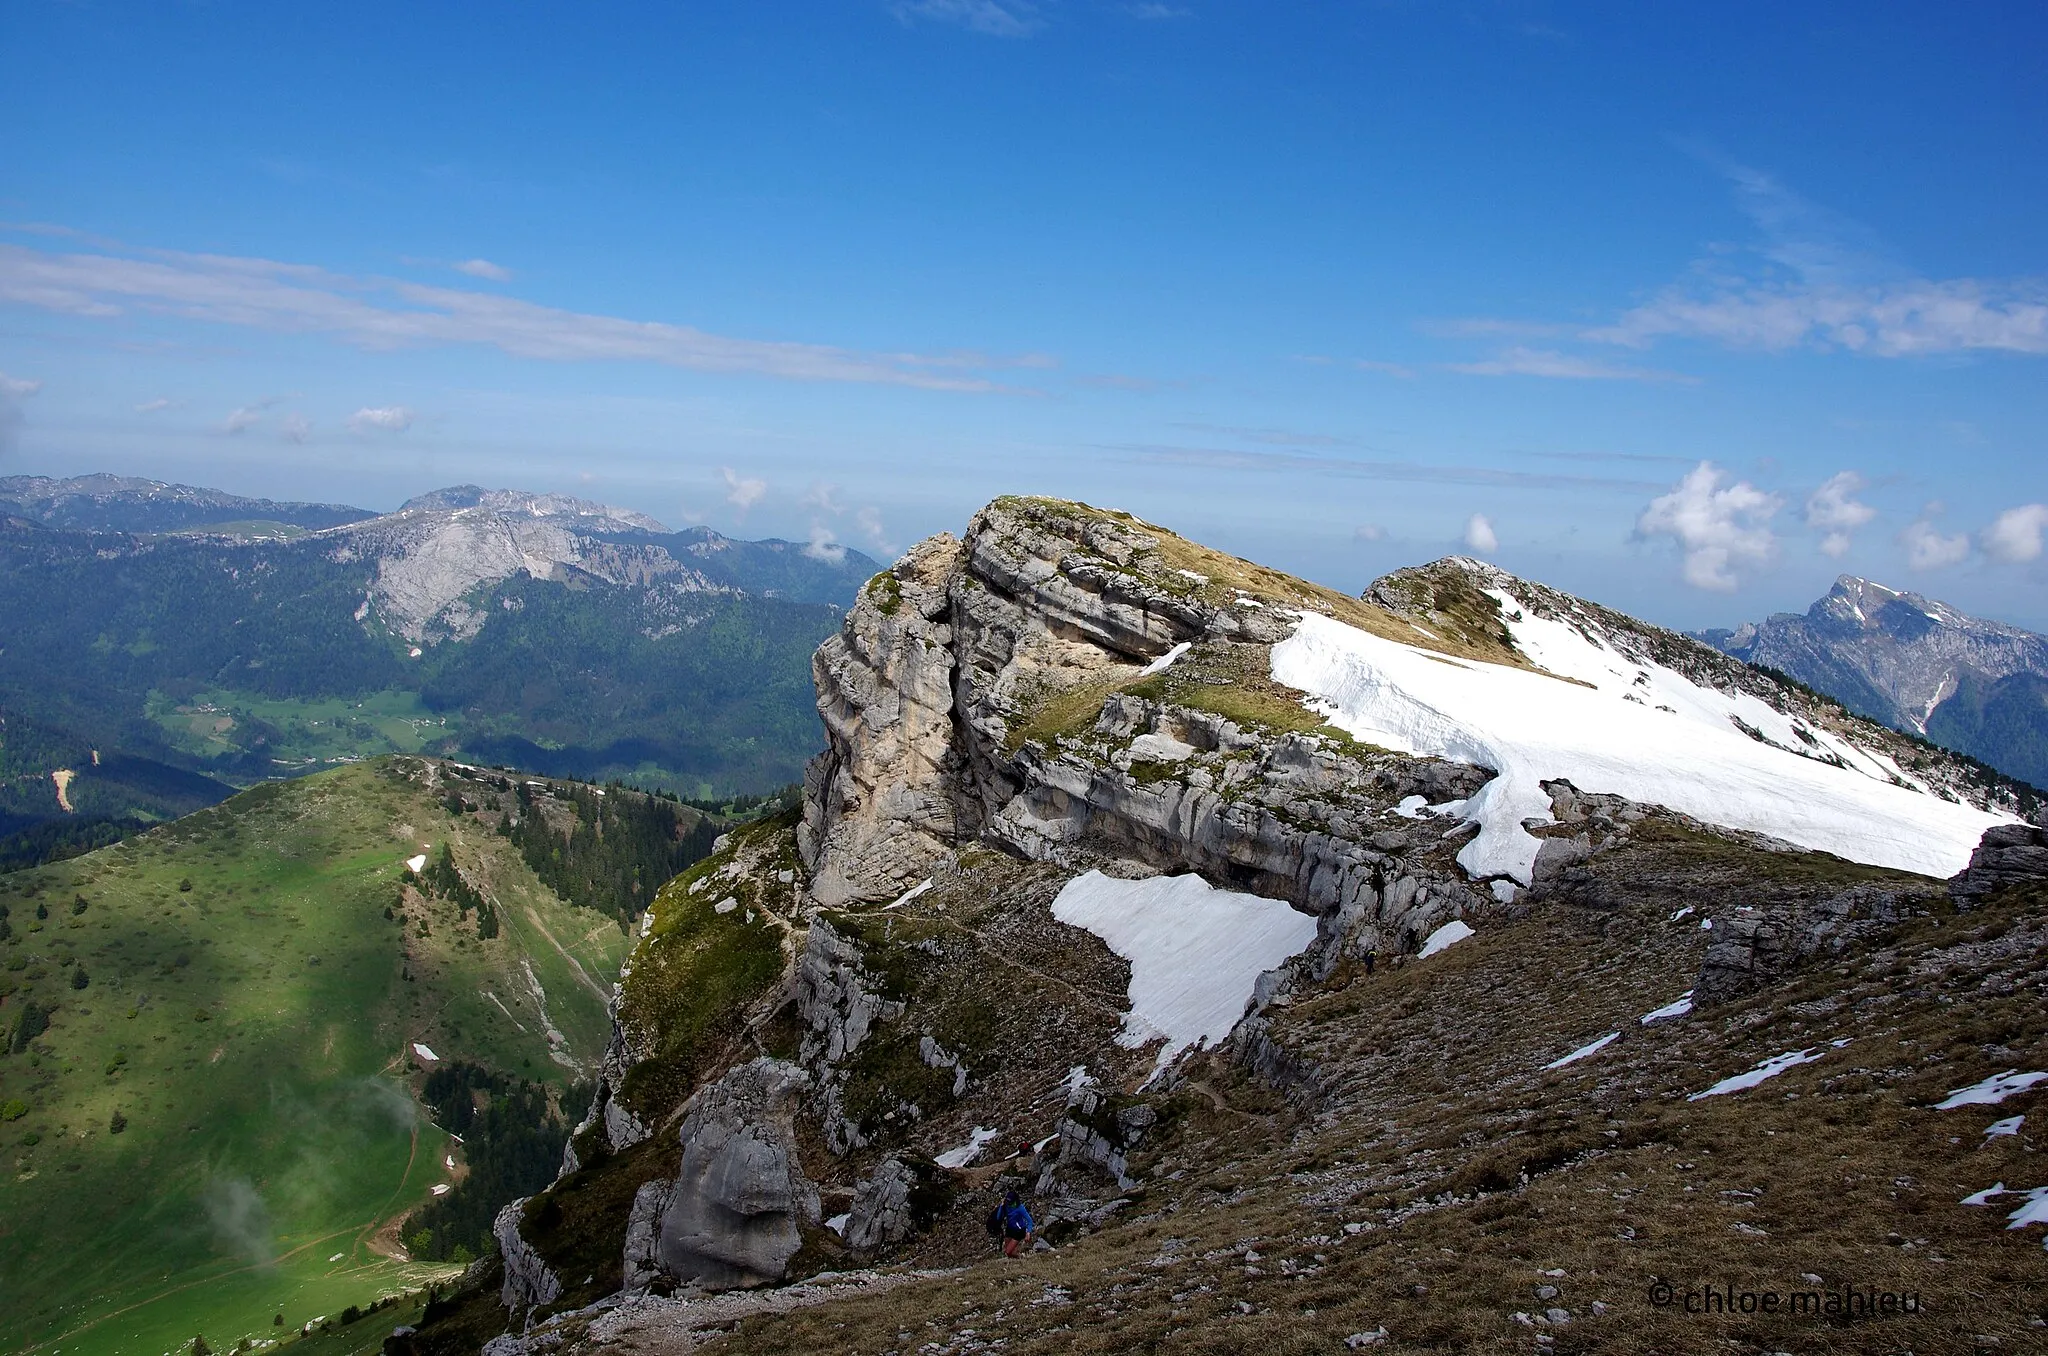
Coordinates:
(1017, 1224)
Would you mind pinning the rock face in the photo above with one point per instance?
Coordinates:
(528, 1279)
(2008, 855)
(881, 1212)
(735, 1212)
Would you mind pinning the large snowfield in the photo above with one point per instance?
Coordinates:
(1195, 951)
(1644, 732)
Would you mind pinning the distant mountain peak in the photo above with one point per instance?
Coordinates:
(1901, 658)
(524, 503)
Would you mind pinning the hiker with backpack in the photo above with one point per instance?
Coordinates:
(1012, 1223)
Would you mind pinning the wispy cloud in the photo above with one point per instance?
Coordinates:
(1480, 536)
(824, 546)
(2014, 537)
(1223, 458)
(1719, 527)
(153, 406)
(1834, 511)
(295, 427)
(1543, 362)
(383, 313)
(13, 390)
(870, 520)
(742, 492)
(997, 18)
(1369, 532)
(485, 269)
(1927, 548)
(381, 419)
(1830, 283)
(1151, 9)
(242, 419)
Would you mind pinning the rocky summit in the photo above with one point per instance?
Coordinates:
(1460, 966)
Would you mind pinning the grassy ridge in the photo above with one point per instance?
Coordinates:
(247, 1018)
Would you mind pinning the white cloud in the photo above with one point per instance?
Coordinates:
(1719, 528)
(241, 419)
(152, 406)
(1543, 362)
(484, 268)
(742, 492)
(1479, 535)
(998, 18)
(17, 388)
(1151, 9)
(1370, 532)
(384, 314)
(1928, 549)
(1834, 510)
(381, 419)
(2014, 536)
(824, 497)
(295, 427)
(824, 546)
(870, 520)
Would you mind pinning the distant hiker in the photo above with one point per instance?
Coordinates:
(1015, 1223)
(1372, 958)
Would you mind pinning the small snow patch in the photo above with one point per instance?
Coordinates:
(1992, 1090)
(968, 1152)
(337, 1257)
(1769, 1068)
(1593, 1048)
(1984, 1197)
(415, 864)
(440, 1188)
(912, 893)
(1706, 925)
(1457, 930)
(1504, 891)
(1681, 913)
(1190, 574)
(1678, 1007)
(1165, 661)
(424, 1053)
(2009, 1126)
(837, 1224)
(1411, 806)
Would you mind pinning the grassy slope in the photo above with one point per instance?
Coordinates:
(277, 1131)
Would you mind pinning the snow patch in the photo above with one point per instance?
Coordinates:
(1680, 914)
(1769, 1068)
(1457, 930)
(1195, 951)
(441, 1189)
(1411, 807)
(2009, 1126)
(416, 864)
(1992, 1090)
(1504, 891)
(837, 1224)
(968, 1152)
(912, 893)
(424, 1053)
(1592, 1048)
(1165, 661)
(1533, 727)
(1678, 1007)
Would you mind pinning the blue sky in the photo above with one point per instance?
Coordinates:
(1685, 308)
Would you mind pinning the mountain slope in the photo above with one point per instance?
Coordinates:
(226, 1101)
(104, 503)
(568, 637)
(1073, 799)
(1969, 684)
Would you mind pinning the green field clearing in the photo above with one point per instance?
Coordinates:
(301, 734)
(249, 1013)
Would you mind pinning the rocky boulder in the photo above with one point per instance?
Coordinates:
(736, 1210)
(2006, 855)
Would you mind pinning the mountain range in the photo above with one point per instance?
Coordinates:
(1450, 967)
(161, 644)
(1975, 686)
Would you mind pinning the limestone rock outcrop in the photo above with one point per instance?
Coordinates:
(2007, 855)
(740, 1200)
(528, 1279)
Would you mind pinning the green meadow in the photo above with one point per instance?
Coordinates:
(298, 733)
(207, 1103)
